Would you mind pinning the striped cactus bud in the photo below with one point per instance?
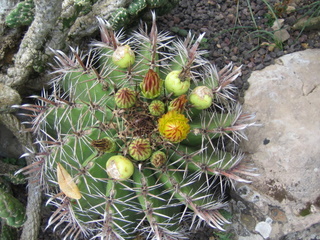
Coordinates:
(125, 98)
(123, 56)
(178, 104)
(140, 149)
(151, 85)
(158, 159)
(119, 167)
(156, 108)
(201, 97)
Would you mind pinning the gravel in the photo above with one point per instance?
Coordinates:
(234, 35)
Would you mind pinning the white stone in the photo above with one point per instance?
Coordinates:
(264, 229)
(278, 24)
(281, 35)
(286, 99)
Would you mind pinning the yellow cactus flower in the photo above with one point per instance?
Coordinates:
(174, 126)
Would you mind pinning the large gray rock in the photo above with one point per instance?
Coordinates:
(284, 200)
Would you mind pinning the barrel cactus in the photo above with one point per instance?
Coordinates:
(132, 137)
(12, 211)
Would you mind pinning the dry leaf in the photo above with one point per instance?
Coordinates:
(66, 183)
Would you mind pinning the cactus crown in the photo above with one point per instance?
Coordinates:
(113, 168)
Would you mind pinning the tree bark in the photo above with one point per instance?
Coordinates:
(31, 227)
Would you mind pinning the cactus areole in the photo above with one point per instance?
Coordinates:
(122, 153)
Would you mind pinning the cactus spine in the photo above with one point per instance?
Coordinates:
(170, 148)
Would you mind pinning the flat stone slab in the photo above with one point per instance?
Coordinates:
(285, 198)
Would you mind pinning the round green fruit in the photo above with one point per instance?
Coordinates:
(201, 97)
(123, 56)
(119, 167)
(175, 85)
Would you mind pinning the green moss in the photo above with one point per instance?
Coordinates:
(305, 211)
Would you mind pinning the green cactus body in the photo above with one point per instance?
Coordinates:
(151, 198)
(8, 233)
(207, 126)
(11, 209)
(136, 6)
(119, 18)
(208, 163)
(170, 152)
(145, 57)
(66, 117)
(156, 3)
(21, 15)
(85, 87)
(119, 212)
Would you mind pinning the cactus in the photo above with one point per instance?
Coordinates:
(123, 16)
(12, 211)
(122, 153)
(21, 15)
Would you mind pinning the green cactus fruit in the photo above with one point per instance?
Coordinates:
(119, 167)
(140, 149)
(156, 108)
(11, 210)
(201, 97)
(174, 84)
(125, 98)
(123, 56)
